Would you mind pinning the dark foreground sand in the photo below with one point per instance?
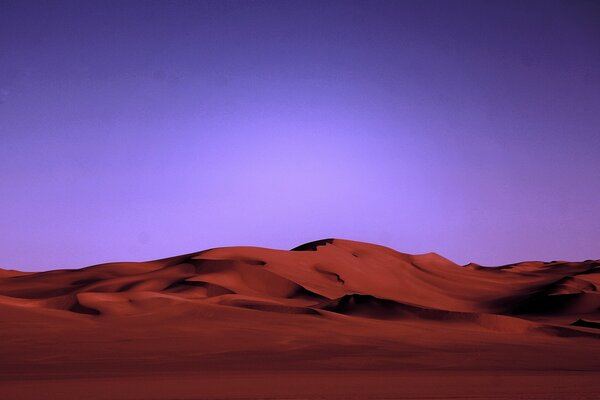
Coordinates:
(333, 319)
(315, 385)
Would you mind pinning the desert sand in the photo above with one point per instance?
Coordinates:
(332, 319)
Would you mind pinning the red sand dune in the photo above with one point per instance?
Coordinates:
(329, 319)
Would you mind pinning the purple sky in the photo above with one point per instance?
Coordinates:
(140, 130)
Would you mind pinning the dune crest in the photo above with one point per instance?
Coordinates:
(343, 272)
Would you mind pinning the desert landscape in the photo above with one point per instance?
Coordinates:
(329, 319)
(453, 141)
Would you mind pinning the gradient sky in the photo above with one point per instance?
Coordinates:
(139, 130)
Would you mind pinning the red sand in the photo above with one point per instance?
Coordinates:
(332, 319)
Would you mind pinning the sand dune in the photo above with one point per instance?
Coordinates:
(330, 305)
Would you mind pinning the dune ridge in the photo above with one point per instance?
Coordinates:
(330, 269)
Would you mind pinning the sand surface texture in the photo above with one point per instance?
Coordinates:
(333, 319)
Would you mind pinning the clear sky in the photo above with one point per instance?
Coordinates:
(137, 130)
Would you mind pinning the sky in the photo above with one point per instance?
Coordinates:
(132, 131)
